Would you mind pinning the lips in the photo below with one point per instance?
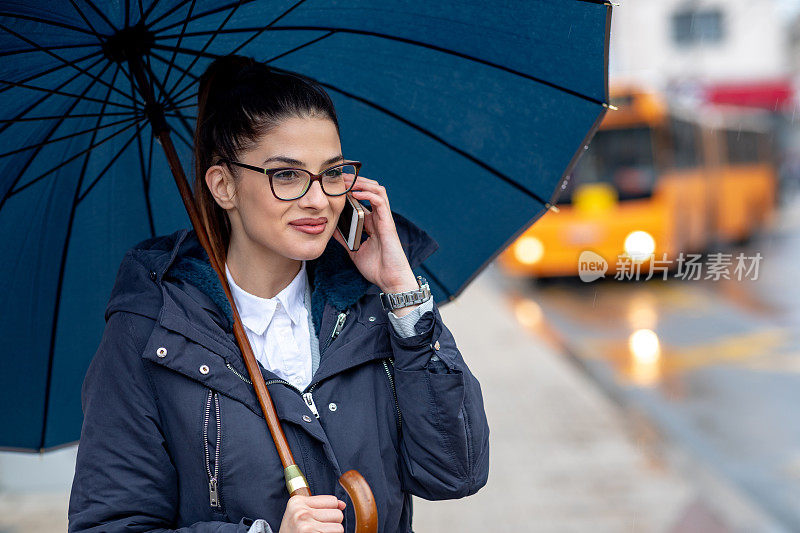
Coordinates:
(309, 221)
(314, 226)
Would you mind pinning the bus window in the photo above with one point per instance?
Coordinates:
(620, 157)
(685, 144)
(742, 146)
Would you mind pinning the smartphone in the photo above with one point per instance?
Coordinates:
(351, 222)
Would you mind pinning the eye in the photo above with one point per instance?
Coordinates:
(286, 175)
(334, 172)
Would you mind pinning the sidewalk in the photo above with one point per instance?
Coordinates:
(562, 456)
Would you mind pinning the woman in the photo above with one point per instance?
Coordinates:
(173, 436)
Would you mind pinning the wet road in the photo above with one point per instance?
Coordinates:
(714, 365)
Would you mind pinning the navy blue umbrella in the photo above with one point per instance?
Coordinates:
(470, 113)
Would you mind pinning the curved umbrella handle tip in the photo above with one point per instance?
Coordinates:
(363, 501)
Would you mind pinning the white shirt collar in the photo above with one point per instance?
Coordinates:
(256, 312)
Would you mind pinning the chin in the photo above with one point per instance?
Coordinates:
(311, 250)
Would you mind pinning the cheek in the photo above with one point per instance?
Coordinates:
(262, 210)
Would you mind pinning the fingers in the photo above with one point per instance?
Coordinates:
(368, 185)
(313, 513)
(327, 515)
(329, 528)
(323, 501)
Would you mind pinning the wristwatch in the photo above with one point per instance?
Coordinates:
(396, 300)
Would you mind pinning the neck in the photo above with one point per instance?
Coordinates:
(258, 270)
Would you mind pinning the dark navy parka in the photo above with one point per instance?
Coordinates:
(168, 403)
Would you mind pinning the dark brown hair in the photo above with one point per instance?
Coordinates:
(239, 101)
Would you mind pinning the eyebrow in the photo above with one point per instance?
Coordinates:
(298, 163)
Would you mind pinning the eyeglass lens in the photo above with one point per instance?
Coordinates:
(291, 184)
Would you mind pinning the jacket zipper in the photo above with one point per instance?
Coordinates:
(213, 486)
(308, 398)
(337, 328)
(399, 418)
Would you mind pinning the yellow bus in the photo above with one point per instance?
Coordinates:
(655, 180)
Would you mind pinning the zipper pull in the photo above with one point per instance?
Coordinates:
(310, 403)
(339, 325)
(213, 493)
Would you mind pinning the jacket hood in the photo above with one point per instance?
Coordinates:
(180, 259)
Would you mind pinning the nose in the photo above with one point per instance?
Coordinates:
(314, 197)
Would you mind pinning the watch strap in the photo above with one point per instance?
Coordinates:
(397, 300)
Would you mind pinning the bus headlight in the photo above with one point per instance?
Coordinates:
(528, 250)
(639, 245)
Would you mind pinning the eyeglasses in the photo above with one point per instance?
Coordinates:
(292, 183)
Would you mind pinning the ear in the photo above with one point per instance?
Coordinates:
(220, 184)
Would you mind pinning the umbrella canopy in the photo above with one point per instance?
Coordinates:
(469, 113)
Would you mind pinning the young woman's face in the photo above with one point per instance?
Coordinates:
(308, 143)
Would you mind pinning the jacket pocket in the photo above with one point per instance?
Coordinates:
(212, 433)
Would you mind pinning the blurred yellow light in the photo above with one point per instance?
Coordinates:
(595, 198)
(528, 313)
(528, 250)
(642, 311)
(644, 346)
(639, 245)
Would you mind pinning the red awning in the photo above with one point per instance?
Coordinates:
(771, 95)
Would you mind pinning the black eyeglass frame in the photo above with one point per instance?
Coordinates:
(270, 172)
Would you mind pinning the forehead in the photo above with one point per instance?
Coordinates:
(310, 141)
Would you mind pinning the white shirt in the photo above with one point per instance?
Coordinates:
(277, 328)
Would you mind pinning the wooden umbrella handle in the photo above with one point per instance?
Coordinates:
(363, 501)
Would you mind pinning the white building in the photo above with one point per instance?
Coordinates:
(668, 42)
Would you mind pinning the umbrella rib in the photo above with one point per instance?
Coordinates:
(71, 158)
(402, 40)
(102, 15)
(175, 115)
(45, 48)
(255, 35)
(182, 138)
(60, 284)
(45, 21)
(145, 188)
(55, 117)
(69, 136)
(67, 62)
(58, 67)
(439, 140)
(274, 58)
(150, 164)
(62, 93)
(205, 46)
(86, 20)
(144, 173)
(167, 97)
(175, 52)
(42, 99)
(35, 152)
(80, 198)
(148, 10)
(234, 5)
(172, 10)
